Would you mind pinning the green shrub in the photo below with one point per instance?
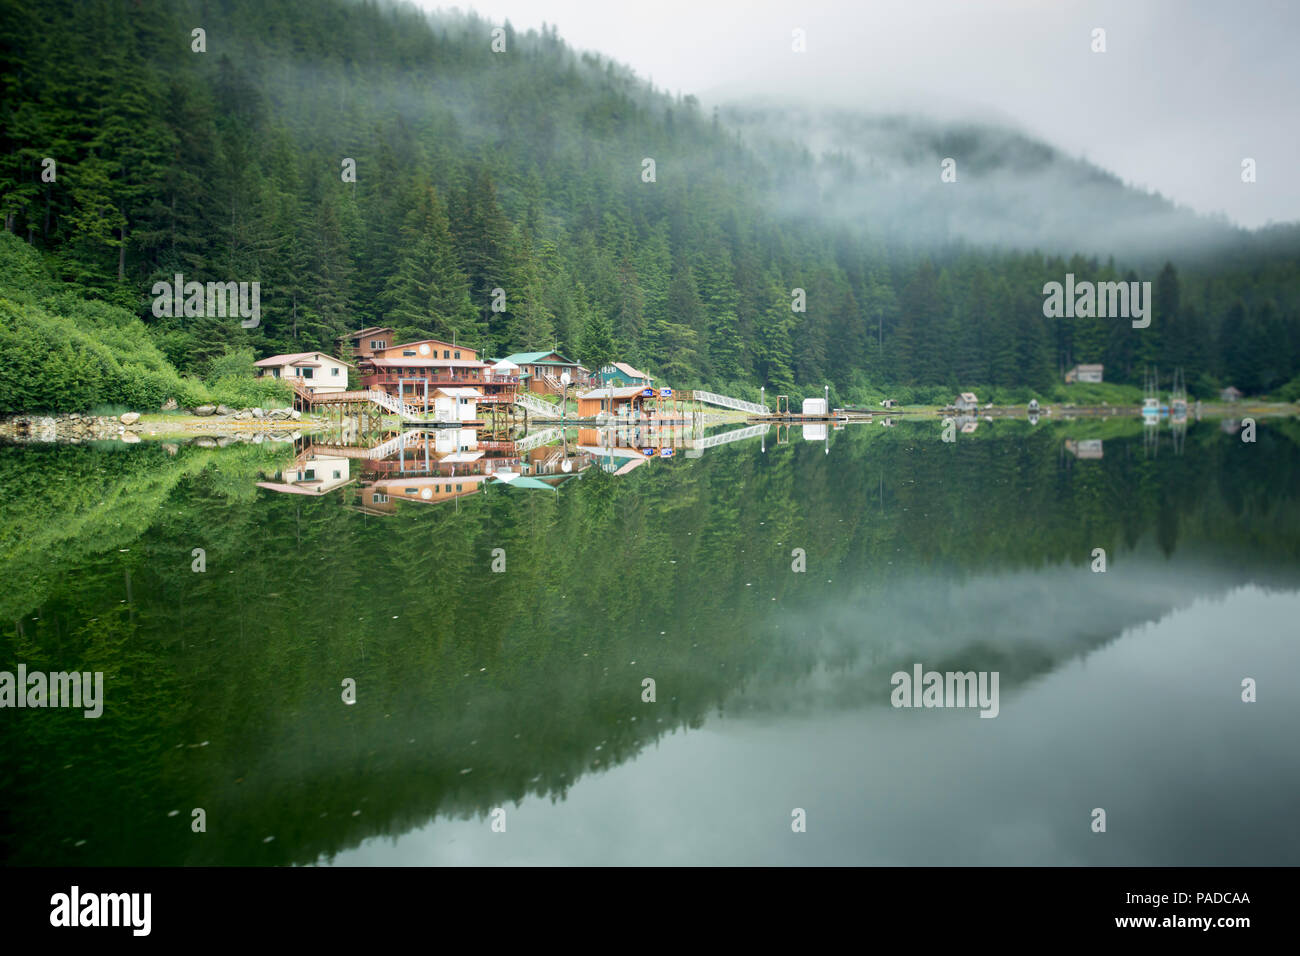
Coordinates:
(244, 391)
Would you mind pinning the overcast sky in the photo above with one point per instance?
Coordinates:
(1185, 90)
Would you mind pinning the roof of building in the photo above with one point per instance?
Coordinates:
(407, 345)
(458, 457)
(423, 481)
(360, 332)
(968, 397)
(630, 465)
(293, 358)
(1089, 368)
(426, 361)
(459, 392)
(526, 481)
(626, 391)
(504, 363)
(538, 358)
(617, 451)
(629, 370)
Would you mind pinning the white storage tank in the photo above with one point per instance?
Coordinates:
(814, 406)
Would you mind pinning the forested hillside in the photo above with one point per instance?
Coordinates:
(522, 171)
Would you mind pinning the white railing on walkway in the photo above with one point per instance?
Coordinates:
(726, 401)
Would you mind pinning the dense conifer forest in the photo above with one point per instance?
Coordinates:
(524, 171)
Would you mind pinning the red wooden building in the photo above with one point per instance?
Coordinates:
(414, 370)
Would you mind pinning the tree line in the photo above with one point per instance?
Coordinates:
(374, 165)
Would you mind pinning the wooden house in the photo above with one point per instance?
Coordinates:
(366, 342)
(621, 375)
(414, 371)
(540, 371)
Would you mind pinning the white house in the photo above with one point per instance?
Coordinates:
(315, 371)
(455, 404)
(967, 401)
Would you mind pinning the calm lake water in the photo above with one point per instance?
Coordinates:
(523, 689)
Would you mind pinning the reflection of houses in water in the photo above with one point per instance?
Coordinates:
(443, 451)
(435, 465)
(622, 448)
(1086, 448)
(314, 472)
(381, 496)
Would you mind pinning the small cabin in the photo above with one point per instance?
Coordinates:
(454, 405)
(814, 406)
(966, 402)
(1086, 448)
(1084, 373)
(617, 401)
(1230, 394)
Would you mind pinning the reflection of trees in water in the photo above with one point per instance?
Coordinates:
(517, 678)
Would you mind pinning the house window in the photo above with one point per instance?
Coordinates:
(336, 473)
(458, 487)
(378, 498)
(446, 353)
(309, 474)
(334, 371)
(457, 355)
(412, 491)
(408, 351)
(448, 488)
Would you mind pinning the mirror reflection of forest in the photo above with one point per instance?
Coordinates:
(476, 688)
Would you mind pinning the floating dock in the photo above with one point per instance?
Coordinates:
(838, 415)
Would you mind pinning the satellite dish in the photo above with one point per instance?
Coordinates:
(566, 466)
(424, 349)
(565, 377)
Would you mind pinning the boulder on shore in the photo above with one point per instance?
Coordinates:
(205, 410)
(225, 410)
(169, 405)
(130, 418)
(259, 413)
